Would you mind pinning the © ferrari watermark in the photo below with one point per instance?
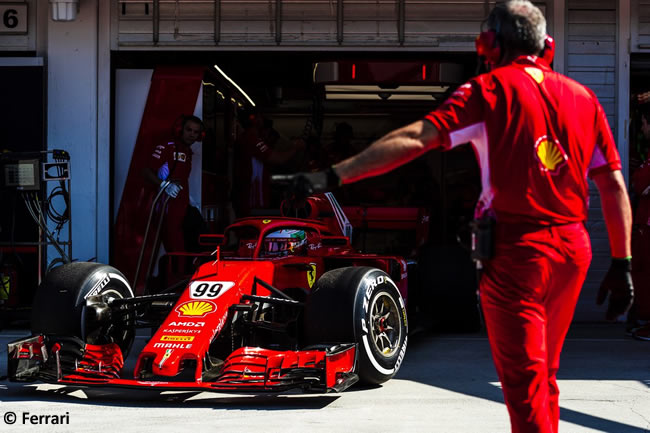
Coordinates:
(28, 418)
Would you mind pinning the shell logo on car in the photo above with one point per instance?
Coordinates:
(196, 308)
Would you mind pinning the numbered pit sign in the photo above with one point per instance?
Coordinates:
(13, 18)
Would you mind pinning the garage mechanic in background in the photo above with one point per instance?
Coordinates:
(537, 135)
(639, 317)
(169, 169)
(257, 149)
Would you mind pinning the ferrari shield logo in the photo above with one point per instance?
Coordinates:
(167, 354)
(311, 274)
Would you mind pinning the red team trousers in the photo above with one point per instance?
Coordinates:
(529, 291)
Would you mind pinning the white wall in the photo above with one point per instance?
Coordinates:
(131, 90)
(72, 108)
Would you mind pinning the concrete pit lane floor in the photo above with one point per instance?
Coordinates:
(446, 384)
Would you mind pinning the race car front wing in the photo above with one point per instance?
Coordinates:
(254, 369)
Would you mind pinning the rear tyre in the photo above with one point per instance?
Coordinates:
(60, 299)
(360, 305)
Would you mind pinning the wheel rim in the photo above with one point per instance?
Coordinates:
(385, 329)
(118, 333)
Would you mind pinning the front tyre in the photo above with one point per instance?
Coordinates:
(60, 300)
(360, 305)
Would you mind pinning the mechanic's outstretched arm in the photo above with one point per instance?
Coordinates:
(617, 211)
(389, 152)
(618, 218)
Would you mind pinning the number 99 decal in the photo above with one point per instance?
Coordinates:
(209, 289)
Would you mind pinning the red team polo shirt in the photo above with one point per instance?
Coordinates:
(641, 181)
(253, 154)
(537, 135)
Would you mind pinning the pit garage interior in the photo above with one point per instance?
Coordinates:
(309, 66)
(426, 205)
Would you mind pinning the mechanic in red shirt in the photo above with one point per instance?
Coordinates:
(169, 168)
(537, 136)
(641, 239)
(256, 148)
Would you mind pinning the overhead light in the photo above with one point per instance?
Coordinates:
(382, 96)
(356, 96)
(234, 84)
(377, 89)
(377, 93)
(64, 10)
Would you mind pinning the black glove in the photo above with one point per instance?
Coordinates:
(618, 283)
(304, 184)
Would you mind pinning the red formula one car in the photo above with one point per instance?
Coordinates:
(282, 303)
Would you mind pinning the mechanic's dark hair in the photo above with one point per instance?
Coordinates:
(248, 116)
(520, 26)
(343, 130)
(644, 110)
(191, 118)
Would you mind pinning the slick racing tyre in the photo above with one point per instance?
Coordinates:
(58, 307)
(360, 305)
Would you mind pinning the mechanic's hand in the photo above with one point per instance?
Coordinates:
(618, 284)
(172, 189)
(643, 98)
(304, 184)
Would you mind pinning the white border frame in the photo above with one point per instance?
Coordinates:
(623, 41)
(103, 197)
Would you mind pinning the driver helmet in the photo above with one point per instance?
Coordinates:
(285, 242)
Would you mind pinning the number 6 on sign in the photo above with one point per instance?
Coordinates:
(13, 18)
(209, 289)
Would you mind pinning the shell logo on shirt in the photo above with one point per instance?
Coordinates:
(536, 73)
(550, 154)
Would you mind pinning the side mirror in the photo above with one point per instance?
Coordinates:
(335, 241)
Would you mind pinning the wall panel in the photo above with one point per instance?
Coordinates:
(591, 60)
(389, 24)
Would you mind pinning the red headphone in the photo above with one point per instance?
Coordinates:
(487, 46)
(549, 50)
(179, 124)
